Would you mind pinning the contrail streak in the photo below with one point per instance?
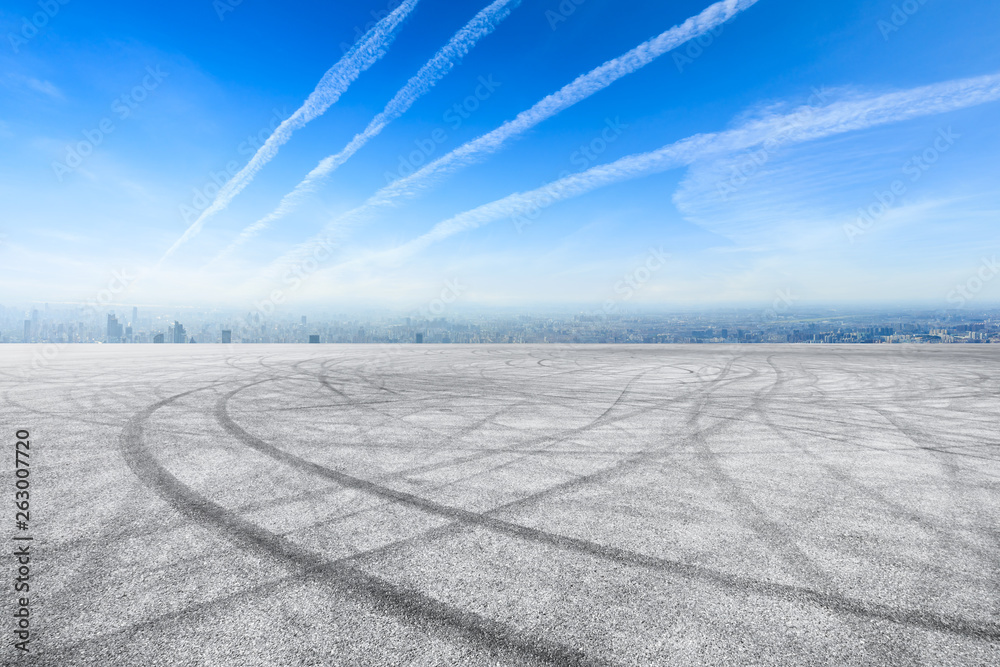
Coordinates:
(579, 89)
(481, 25)
(365, 53)
(805, 124)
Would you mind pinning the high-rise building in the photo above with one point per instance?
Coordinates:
(227, 336)
(115, 329)
(158, 338)
(177, 332)
(420, 338)
(135, 315)
(313, 338)
(27, 331)
(303, 320)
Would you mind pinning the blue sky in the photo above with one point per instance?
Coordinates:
(117, 120)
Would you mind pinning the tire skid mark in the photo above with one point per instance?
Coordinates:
(395, 599)
(66, 651)
(952, 470)
(600, 420)
(464, 519)
(919, 440)
(644, 456)
(324, 380)
(442, 445)
(933, 527)
(769, 531)
(555, 439)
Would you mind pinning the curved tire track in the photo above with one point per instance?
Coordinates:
(409, 603)
(465, 518)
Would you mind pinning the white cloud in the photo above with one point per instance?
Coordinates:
(770, 131)
(579, 89)
(481, 25)
(368, 50)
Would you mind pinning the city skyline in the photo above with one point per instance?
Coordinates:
(782, 321)
(711, 153)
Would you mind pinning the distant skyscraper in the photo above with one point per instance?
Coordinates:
(115, 329)
(420, 338)
(177, 332)
(158, 338)
(303, 320)
(27, 331)
(313, 338)
(135, 315)
(227, 336)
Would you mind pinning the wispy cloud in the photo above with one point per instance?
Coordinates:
(579, 89)
(434, 70)
(803, 124)
(365, 53)
(46, 88)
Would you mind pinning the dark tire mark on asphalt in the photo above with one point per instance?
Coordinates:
(942, 533)
(394, 599)
(463, 519)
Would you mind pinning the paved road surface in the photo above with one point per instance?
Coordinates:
(676, 505)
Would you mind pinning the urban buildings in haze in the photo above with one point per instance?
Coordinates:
(115, 329)
(178, 333)
(818, 325)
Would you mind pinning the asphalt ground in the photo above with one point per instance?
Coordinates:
(471, 505)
